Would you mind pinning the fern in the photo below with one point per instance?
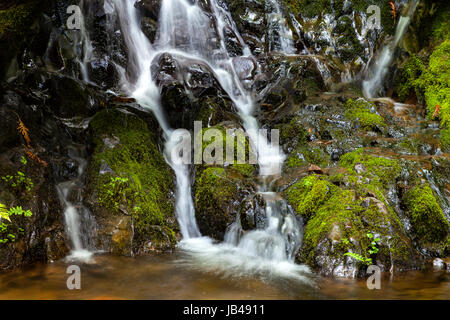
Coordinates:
(23, 130)
(4, 213)
(360, 258)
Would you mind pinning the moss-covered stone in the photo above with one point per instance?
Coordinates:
(215, 196)
(435, 83)
(380, 169)
(308, 194)
(428, 220)
(305, 155)
(445, 140)
(129, 174)
(340, 223)
(407, 75)
(17, 18)
(364, 112)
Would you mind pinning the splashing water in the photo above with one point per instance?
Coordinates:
(270, 250)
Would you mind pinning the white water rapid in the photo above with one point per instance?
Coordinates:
(187, 32)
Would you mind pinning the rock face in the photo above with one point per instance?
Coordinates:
(369, 179)
(130, 186)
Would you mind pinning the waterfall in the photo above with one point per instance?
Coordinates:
(372, 86)
(270, 249)
(79, 222)
(82, 44)
(278, 27)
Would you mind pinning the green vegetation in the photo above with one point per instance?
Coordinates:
(308, 194)
(214, 187)
(427, 218)
(17, 18)
(372, 249)
(364, 112)
(380, 170)
(9, 231)
(19, 183)
(304, 155)
(312, 8)
(139, 182)
(407, 76)
(343, 211)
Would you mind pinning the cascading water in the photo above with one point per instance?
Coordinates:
(82, 43)
(372, 86)
(80, 225)
(268, 250)
(279, 32)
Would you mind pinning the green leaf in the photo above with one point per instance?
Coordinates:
(4, 214)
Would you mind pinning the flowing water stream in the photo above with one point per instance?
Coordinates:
(373, 85)
(269, 250)
(80, 225)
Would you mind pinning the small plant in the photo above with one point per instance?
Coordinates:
(8, 230)
(372, 249)
(19, 181)
(358, 257)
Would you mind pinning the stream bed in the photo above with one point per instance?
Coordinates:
(166, 277)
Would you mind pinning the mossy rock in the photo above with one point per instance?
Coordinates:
(16, 17)
(383, 171)
(215, 199)
(435, 85)
(338, 221)
(365, 113)
(128, 174)
(305, 155)
(427, 218)
(407, 75)
(445, 140)
(308, 194)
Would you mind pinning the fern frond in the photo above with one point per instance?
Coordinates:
(23, 130)
(34, 157)
(4, 212)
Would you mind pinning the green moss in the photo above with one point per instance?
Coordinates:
(407, 75)
(304, 155)
(435, 83)
(379, 169)
(363, 111)
(142, 181)
(17, 19)
(441, 25)
(308, 194)
(426, 215)
(246, 170)
(241, 147)
(215, 195)
(445, 140)
(293, 131)
(308, 8)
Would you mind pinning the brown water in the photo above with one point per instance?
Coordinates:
(164, 277)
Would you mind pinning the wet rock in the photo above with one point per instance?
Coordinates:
(438, 264)
(70, 98)
(219, 194)
(127, 160)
